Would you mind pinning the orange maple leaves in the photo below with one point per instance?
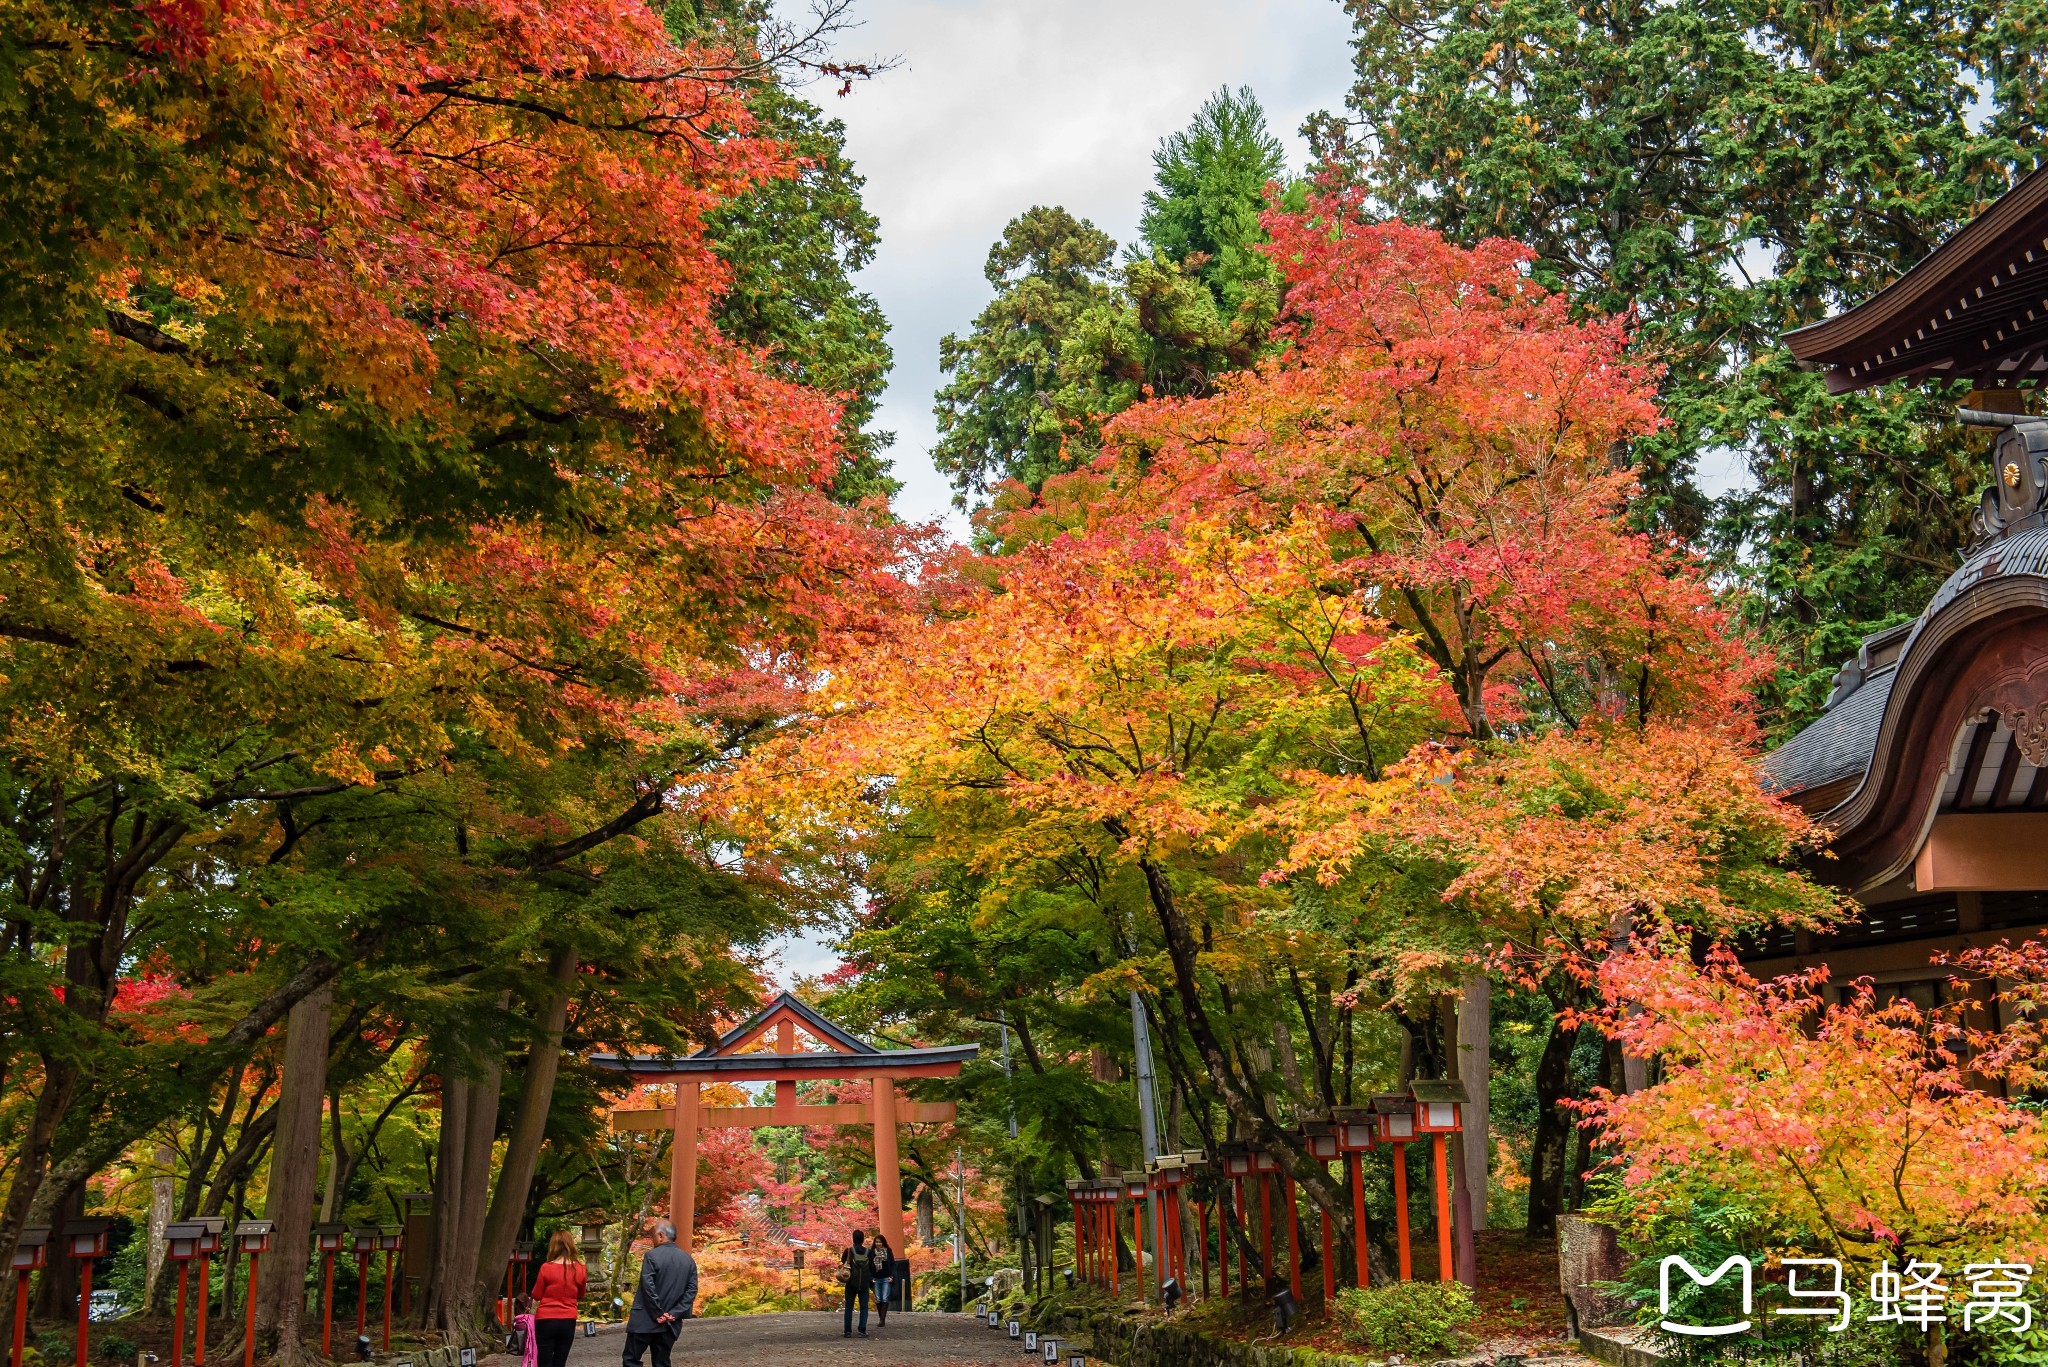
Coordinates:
(1856, 1122)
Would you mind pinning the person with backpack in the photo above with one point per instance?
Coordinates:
(857, 1275)
(882, 1267)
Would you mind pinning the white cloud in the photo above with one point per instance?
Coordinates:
(1002, 104)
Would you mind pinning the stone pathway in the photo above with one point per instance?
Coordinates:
(812, 1340)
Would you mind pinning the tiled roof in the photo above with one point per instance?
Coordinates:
(1835, 745)
(1839, 743)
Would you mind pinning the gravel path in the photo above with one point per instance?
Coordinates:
(812, 1340)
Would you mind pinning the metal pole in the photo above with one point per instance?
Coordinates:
(960, 1223)
(1148, 1129)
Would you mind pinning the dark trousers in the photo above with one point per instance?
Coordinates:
(851, 1295)
(661, 1340)
(552, 1340)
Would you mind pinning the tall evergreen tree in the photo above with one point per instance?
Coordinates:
(1728, 171)
(1211, 188)
(1072, 338)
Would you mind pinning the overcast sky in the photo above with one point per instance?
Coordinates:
(997, 105)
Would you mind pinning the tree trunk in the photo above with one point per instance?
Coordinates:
(162, 1191)
(57, 1289)
(927, 1214)
(530, 1123)
(1244, 1102)
(471, 1284)
(32, 1156)
(447, 1195)
(294, 1175)
(1475, 1069)
(1551, 1148)
(337, 1160)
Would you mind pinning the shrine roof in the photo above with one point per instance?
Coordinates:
(1976, 308)
(846, 1052)
(819, 1027)
(1836, 745)
(769, 1063)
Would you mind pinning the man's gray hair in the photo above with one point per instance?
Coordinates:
(664, 1233)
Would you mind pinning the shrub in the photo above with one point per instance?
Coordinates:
(1414, 1319)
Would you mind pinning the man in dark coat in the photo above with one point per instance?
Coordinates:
(860, 1279)
(667, 1296)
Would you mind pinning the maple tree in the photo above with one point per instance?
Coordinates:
(1222, 655)
(399, 533)
(1854, 1122)
(1455, 421)
(1722, 173)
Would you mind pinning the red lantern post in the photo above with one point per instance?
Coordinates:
(1137, 1187)
(1355, 1130)
(85, 1240)
(390, 1238)
(181, 1245)
(209, 1244)
(1321, 1138)
(331, 1238)
(1112, 1192)
(1237, 1164)
(1264, 1165)
(30, 1255)
(253, 1238)
(1394, 1114)
(1293, 1235)
(1437, 1114)
(364, 1238)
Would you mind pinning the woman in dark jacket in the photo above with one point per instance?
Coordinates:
(882, 1259)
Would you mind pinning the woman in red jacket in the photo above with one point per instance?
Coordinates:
(556, 1289)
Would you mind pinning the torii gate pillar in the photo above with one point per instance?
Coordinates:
(682, 1165)
(888, 1168)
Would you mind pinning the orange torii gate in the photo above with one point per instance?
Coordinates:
(845, 1056)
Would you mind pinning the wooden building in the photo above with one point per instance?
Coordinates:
(1931, 760)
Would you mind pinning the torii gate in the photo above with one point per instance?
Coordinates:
(846, 1056)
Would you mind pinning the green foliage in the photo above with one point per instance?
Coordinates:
(995, 419)
(1212, 179)
(1415, 1319)
(794, 245)
(1073, 339)
(1728, 171)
